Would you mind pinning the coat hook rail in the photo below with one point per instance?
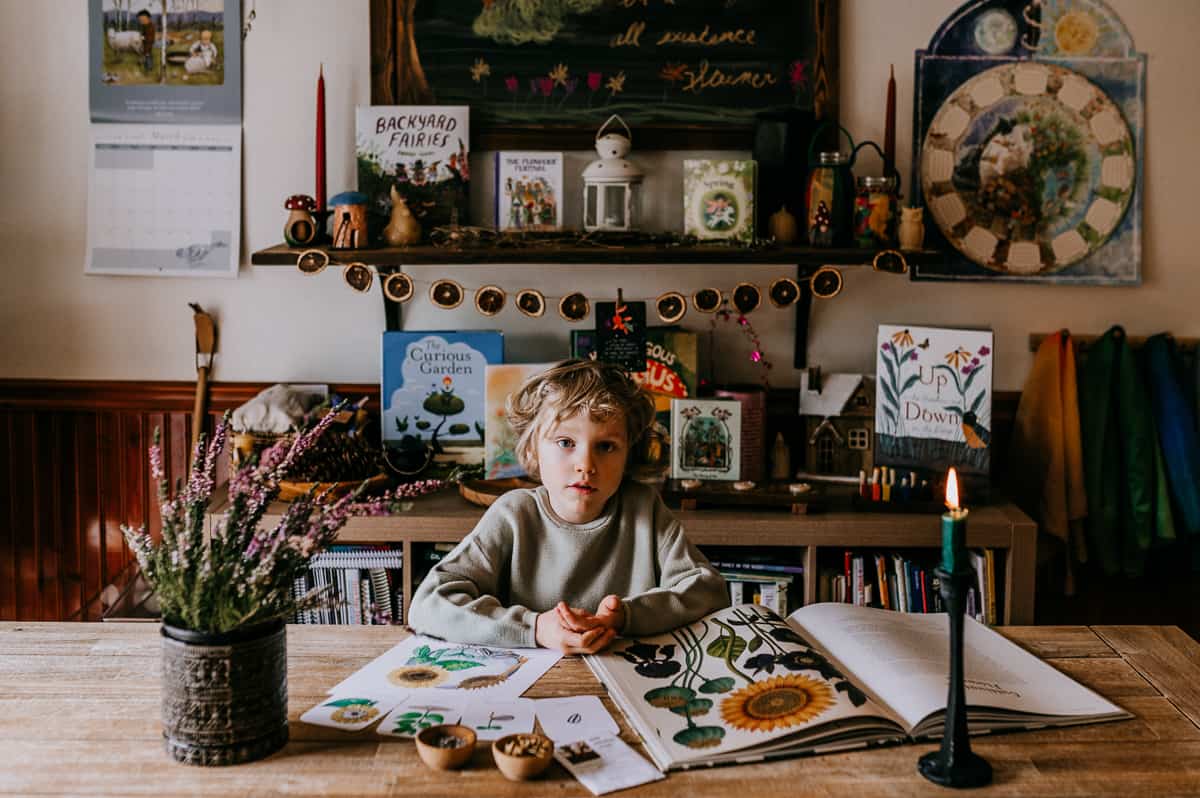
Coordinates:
(1082, 342)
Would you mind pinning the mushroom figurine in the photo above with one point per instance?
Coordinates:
(300, 229)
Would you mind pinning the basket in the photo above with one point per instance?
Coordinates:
(328, 491)
(248, 444)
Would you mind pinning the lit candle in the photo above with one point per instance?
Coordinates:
(954, 528)
(320, 168)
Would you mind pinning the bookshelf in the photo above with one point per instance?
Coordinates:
(447, 517)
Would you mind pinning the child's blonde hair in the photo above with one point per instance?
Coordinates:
(602, 389)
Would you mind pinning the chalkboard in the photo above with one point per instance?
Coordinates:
(684, 74)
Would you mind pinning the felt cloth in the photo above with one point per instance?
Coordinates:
(1046, 456)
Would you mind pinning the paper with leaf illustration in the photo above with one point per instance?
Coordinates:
(415, 713)
(427, 666)
(491, 720)
(744, 683)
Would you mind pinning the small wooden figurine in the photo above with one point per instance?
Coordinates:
(783, 226)
(403, 228)
(300, 229)
(912, 228)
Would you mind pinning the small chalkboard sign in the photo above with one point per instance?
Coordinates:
(621, 334)
(547, 73)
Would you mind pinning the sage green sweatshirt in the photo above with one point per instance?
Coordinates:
(522, 559)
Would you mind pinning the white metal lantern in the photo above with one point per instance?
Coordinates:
(612, 186)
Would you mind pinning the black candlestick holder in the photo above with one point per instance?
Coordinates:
(955, 764)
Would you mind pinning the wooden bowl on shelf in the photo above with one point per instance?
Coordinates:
(447, 746)
(328, 491)
(485, 491)
(522, 756)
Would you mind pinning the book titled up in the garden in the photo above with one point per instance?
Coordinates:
(420, 150)
(744, 683)
(933, 401)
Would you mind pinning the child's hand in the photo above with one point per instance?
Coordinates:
(611, 612)
(550, 632)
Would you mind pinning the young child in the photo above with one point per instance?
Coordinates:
(587, 555)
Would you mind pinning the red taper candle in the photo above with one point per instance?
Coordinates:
(889, 124)
(320, 168)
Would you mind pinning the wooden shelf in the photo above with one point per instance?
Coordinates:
(446, 517)
(613, 255)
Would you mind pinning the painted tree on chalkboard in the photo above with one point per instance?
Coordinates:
(521, 21)
(396, 74)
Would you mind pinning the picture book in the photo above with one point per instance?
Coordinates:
(706, 439)
(718, 199)
(420, 150)
(433, 390)
(672, 361)
(500, 440)
(933, 401)
(744, 683)
(529, 190)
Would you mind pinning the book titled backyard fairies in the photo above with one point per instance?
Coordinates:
(529, 190)
(933, 401)
(718, 199)
(433, 390)
(422, 152)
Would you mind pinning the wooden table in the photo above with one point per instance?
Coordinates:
(79, 714)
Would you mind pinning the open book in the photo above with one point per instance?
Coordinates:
(744, 684)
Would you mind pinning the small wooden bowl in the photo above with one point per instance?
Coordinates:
(329, 491)
(439, 757)
(483, 492)
(522, 767)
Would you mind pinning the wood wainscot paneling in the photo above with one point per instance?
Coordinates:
(74, 466)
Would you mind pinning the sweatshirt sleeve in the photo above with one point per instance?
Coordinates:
(688, 587)
(460, 600)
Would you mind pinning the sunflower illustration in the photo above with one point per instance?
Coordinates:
(777, 703)
(354, 713)
(902, 338)
(418, 676)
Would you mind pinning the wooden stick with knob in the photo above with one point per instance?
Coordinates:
(206, 345)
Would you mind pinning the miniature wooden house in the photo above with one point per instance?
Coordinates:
(838, 412)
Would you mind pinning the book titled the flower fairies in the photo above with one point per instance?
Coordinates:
(718, 199)
(529, 190)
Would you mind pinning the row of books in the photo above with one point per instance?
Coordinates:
(422, 154)
(765, 579)
(363, 583)
(896, 582)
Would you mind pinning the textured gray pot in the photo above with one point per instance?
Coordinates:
(224, 697)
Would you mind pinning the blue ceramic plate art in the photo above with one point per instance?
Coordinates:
(1027, 168)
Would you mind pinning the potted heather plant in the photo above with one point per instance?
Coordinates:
(227, 594)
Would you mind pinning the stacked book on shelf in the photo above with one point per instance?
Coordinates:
(364, 582)
(759, 579)
(894, 581)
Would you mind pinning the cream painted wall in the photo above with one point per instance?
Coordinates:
(276, 325)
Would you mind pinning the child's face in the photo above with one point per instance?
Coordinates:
(581, 463)
(206, 36)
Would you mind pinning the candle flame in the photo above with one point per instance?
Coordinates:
(952, 490)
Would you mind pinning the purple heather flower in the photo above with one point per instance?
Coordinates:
(975, 361)
(967, 369)
(984, 351)
(912, 355)
(887, 347)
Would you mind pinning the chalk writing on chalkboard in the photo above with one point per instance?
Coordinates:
(538, 64)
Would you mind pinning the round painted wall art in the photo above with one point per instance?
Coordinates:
(1027, 168)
